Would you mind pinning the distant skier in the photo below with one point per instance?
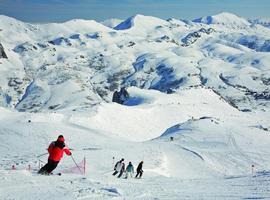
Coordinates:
(119, 167)
(129, 170)
(139, 170)
(56, 150)
(122, 170)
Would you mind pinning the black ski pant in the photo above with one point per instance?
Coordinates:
(49, 167)
(139, 173)
(121, 173)
(115, 172)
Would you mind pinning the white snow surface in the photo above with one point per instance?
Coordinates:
(213, 149)
(197, 115)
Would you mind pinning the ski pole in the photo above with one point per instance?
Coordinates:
(76, 164)
(42, 155)
(107, 172)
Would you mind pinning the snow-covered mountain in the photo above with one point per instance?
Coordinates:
(225, 19)
(197, 112)
(141, 22)
(93, 60)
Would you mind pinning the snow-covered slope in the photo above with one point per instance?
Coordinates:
(198, 111)
(143, 51)
(213, 145)
(111, 22)
(262, 21)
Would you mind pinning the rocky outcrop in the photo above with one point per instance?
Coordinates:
(121, 96)
(2, 52)
(193, 37)
(60, 41)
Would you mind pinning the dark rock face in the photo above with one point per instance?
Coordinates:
(22, 48)
(60, 41)
(2, 52)
(193, 37)
(121, 96)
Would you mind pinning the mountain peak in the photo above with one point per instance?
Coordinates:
(141, 21)
(111, 23)
(223, 18)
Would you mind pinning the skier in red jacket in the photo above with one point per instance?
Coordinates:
(56, 151)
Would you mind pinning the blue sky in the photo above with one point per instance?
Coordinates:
(62, 10)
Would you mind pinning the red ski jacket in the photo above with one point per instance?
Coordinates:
(56, 153)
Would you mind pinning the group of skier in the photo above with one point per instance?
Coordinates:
(129, 170)
(58, 148)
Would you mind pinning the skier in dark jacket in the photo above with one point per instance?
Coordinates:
(119, 168)
(56, 151)
(139, 170)
(122, 170)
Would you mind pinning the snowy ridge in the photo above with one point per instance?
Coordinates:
(224, 19)
(262, 21)
(149, 53)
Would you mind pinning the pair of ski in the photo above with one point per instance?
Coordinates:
(50, 174)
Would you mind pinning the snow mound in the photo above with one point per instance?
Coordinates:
(221, 148)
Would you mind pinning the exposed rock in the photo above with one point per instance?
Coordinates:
(193, 37)
(94, 36)
(2, 52)
(130, 44)
(60, 41)
(25, 47)
(166, 38)
(121, 96)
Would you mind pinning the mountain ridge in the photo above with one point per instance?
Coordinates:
(148, 53)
